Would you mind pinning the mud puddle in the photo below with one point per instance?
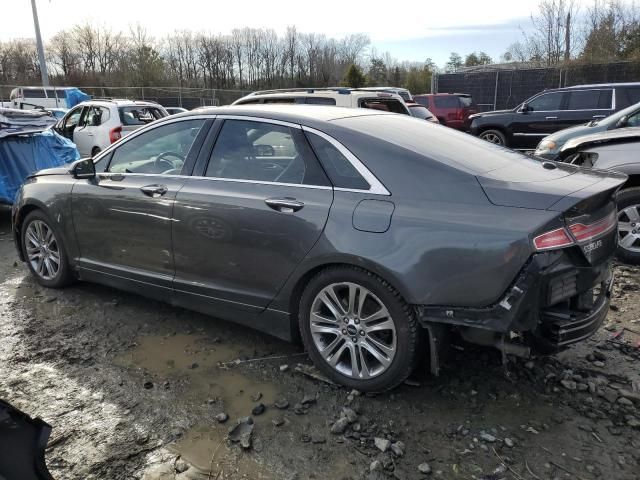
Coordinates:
(204, 371)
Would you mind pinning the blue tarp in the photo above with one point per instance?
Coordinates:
(22, 155)
(75, 96)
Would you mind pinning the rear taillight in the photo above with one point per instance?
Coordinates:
(115, 134)
(558, 238)
(584, 233)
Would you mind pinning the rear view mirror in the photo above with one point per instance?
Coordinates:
(83, 168)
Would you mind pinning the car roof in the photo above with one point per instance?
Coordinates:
(317, 92)
(442, 94)
(119, 102)
(301, 114)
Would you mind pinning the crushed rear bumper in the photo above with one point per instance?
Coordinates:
(557, 299)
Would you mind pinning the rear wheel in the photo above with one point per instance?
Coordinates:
(44, 251)
(629, 225)
(494, 136)
(358, 330)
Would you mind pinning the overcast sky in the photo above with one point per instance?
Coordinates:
(409, 30)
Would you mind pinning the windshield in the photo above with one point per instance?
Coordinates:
(611, 120)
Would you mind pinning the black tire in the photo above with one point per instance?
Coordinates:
(407, 334)
(627, 198)
(63, 275)
(95, 151)
(494, 136)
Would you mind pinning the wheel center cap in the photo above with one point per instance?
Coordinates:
(352, 330)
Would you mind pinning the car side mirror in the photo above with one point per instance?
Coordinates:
(622, 122)
(83, 168)
(525, 107)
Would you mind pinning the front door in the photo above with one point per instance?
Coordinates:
(241, 228)
(68, 124)
(542, 116)
(123, 217)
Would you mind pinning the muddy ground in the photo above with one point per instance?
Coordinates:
(133, 387)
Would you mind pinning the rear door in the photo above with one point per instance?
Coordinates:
(584, 106)
(257, 203)
(123, 217)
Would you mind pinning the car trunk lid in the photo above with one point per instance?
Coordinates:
(546, 185)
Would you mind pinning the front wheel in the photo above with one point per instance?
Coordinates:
(629, 225)
(358, 330)
(44, 251)
(494, 136)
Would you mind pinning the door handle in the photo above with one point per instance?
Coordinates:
(154, 190)
(551, 118)
(599, 116)
(286, 205)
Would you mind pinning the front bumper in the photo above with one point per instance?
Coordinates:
(555, 301)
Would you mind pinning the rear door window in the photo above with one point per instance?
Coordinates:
(589, 100)
(630, 96)
(420, 111)
(340, 170)
(264, 152)
(547, 102)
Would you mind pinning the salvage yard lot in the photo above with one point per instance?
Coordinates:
(132, 389)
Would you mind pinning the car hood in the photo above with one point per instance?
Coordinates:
(609, 136)
(64, 170)
(539, 185)
(562, 136)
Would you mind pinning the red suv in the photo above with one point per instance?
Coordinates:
(451, 109)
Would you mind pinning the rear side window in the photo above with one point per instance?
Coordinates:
(466, 102)
(139, 115)
(280, 100)
(384, 104)
(340, 170)
(449, 101)
(422, 101)
(589, 100)
(631, 95)
(320, 101)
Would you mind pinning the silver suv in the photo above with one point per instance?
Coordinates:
(95, 124)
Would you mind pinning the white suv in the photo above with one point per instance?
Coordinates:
(95, 124)
(339, 97)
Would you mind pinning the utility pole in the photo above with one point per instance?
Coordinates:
(567, 39)
(43, 63)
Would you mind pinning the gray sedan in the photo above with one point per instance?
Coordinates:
(371, 236)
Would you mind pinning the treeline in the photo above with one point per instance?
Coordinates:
(246, 59)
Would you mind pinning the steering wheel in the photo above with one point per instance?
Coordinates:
(161, 161)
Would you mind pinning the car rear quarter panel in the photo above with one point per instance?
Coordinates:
(446, 245)
(52, 195)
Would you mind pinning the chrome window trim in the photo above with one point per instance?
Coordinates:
(376, 186)
(530, 134)
(260, 119)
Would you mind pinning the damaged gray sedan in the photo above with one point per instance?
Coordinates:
(372, 236)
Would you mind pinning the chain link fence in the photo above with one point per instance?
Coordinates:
(500, 87)
(188, 98)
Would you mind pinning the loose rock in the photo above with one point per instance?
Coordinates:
(339, 426)
(382, 444)
(424, 468)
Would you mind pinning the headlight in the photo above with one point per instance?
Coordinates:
(546, 146)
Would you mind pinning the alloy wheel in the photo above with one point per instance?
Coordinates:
(492, 138)
(353, 330)
(629, 228)
(42, 249)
